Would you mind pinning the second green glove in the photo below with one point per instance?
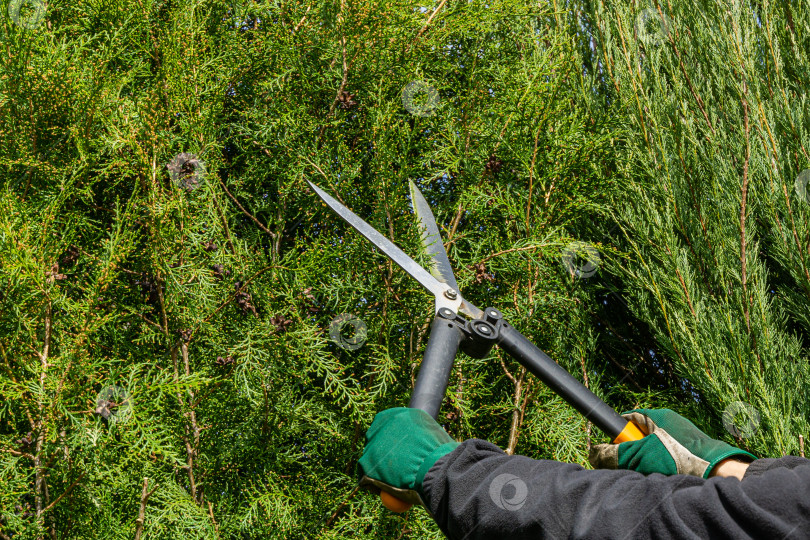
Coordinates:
(673, 445)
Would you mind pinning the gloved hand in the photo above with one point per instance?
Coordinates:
(673, 445)
(401, 446)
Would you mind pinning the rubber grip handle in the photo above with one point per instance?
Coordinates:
(431, 382)
(631, 432)
(437, 362)
(567, 387)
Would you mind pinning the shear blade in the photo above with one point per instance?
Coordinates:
(432, 242)
(431, 239)
(433, 285)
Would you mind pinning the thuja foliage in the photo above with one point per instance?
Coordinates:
(168, 279)
(715, 219)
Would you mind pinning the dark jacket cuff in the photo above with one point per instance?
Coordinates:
(761, 465)
(428, 478)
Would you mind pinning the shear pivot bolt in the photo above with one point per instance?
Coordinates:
(451, 294)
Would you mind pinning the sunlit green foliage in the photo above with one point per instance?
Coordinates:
(716, 219)
(154, 158)
(159, 244)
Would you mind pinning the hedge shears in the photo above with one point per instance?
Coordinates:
(458, 324)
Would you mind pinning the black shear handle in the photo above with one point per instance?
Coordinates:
(567, 387)
(434, 373)
(431, 382)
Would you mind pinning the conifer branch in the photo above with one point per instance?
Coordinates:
(427, 23)
(517, 412)
(224, 221)
(213, 519)
(301, 22)
(513, 250)
(242, 209)
(233, 295)
(345, 501)
(743, 214)
(336, 193)
(17, 453)
(345, 78)
(142, 508)
(795, 235)
(460, 211)
(191, 439)
(41, 486)
(11, 376)
(695, 95)
(66, 492)
(531, 178)
(145, 319)
(587, 384)
(506, 371)
(685, 292)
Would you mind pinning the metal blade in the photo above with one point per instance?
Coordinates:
(431, 239)
(421, 275)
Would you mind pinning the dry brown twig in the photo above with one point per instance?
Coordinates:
(304, 18)
(142, 509)
(427, 23)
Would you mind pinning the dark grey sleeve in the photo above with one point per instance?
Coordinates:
(479, 492)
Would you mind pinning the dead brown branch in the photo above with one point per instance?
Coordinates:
(142, 509)
(517, 412)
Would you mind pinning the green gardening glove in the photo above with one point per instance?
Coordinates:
(673, 445)
(401, 446)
